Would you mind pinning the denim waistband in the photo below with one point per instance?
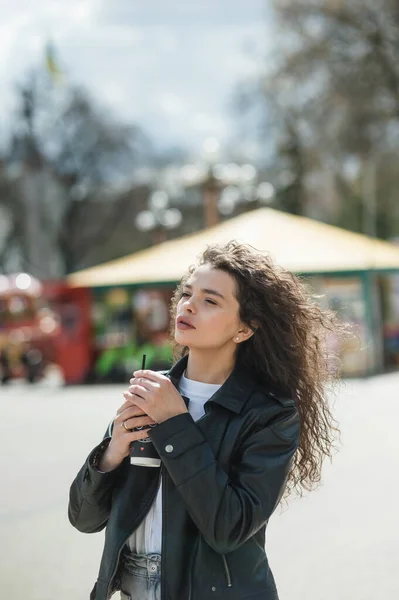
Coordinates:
(140, 564)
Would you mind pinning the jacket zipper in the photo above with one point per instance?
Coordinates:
(226, 568)
(164, 535)
(126, 539)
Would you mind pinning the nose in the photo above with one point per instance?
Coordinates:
(189, 305)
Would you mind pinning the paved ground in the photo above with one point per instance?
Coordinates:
(340, 542)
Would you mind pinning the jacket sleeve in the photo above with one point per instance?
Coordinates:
(90, 495)
(229, 509)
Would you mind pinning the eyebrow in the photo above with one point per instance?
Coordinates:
(206, 291)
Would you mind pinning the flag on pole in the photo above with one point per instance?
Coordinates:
(52, 65)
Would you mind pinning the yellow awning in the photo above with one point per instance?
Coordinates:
(296, 243)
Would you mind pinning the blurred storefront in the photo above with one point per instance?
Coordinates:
(45, 330)
(127, 323)
(345, 296)
(389, 288)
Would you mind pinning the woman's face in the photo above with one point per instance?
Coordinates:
(207, 315)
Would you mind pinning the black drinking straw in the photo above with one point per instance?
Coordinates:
(143, 363)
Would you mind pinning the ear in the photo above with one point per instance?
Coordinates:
(245, 332)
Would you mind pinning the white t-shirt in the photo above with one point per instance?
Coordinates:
(147, 539)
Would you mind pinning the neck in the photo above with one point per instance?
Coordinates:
(209, 366)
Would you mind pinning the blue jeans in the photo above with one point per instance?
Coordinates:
(141, 577)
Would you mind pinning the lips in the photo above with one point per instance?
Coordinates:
(184, 323)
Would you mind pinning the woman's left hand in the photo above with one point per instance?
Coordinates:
(156, 395)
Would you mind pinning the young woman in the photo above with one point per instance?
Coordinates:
(241, 421)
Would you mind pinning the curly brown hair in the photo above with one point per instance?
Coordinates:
(289, 349)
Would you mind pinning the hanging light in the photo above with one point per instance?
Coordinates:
(265, 192)
(170, 218)
(145, 220)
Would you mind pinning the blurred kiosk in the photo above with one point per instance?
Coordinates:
(346, 268)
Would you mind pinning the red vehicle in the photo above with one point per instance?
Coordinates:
(44, 328)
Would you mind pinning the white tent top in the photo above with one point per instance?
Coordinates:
(298, 244)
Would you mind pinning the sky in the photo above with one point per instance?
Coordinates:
(170, 66)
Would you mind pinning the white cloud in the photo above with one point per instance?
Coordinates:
(209, 123)
(171, 104)
(105, 36)
(115, 95)
(9, 35)
(83, 11)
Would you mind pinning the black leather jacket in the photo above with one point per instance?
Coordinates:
(222, 480)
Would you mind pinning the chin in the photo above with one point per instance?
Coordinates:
(185, 340)
(182, 336)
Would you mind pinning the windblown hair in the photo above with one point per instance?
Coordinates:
(289, 349)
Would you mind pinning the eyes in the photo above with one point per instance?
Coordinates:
(207, 300)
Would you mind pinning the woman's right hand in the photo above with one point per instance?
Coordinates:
(122, 436)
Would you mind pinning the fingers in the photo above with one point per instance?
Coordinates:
(132, 417)
(134, 394)
(151, 375)
(138, 435)
(144, 382)
(129, 413)
(137, 422)
(136, 401)
(137, 411)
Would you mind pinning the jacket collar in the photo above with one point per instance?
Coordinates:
(231, 395)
